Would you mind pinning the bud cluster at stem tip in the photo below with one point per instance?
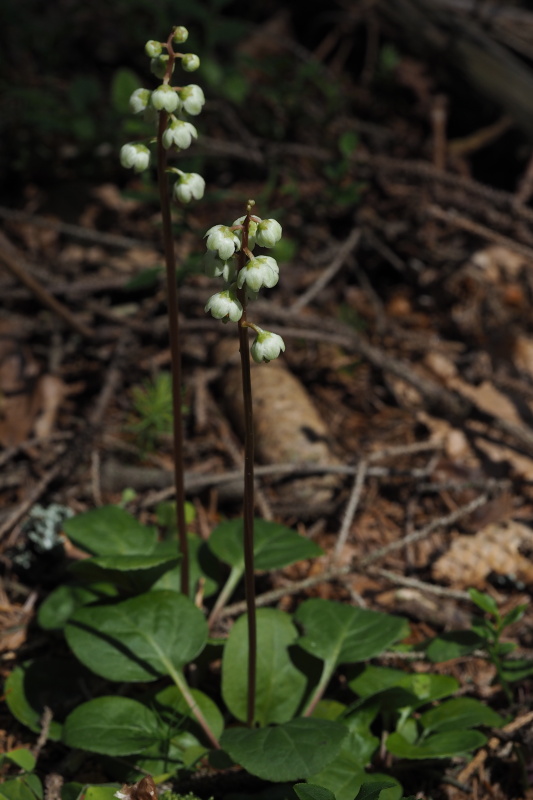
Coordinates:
(175, 103)
(224, 243)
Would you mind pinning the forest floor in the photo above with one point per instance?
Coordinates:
(406, 387)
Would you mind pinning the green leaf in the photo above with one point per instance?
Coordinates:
(292, 751)
(348, 142)
(275, 546)
(513, 615)
(109, 531)
(345, 773)
(21, 757)
(380, 786)
(139, 639)
(307, 791)
(101, 792)
(53, 682)
(169, 704)
(62, 602)
(115, 726)
(202, 565)
(21, 788)
(129, 573)
(440, 745)
(339, 634)
(453, 645)
(280, 685)
(517, 669)
(460, 713)
(484, 601)
(123, 84)
(423, 687)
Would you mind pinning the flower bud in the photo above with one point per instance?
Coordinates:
(135, 156)
(190, 62)
(223, 240)
(192, 98)
(180, 35)
(139, 100)
(164, 98)
(153, 48)
(267, 346)
(258, 272)
(190, 185)
(224, 305)
(158, 66)
(268, 233)
(179, 134)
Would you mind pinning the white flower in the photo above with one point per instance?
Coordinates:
(268, 233)
(192, 98)
(258, 272)
(267, 346)
(164, 98)
(190, 62)
(139, 100)
(190, 185)
(222, 239)
(252, 227)
(179, 133)
(135, 156)
(223, 305)
(216, 268)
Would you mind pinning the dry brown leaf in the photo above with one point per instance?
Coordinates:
(496, 548)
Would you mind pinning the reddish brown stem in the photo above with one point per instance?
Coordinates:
(248, 513)
(175, 350)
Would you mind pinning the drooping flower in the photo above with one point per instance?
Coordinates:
(139, 100)
(189, 185)
(180, 134)
(153, 48)
(164, 98)
(158, 65)
(268, 233)
(222, 239)
(258, 272)
(267, 346)
(135, 156)
(192, 98)
(190, 62)
(181, 35)
(224, 305)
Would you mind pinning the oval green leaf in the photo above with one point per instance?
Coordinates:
(458, 714)
(288, 752)
(139, 639)
(171, 706)
(423, 687)
(21, 789)
(280, 685)
(339, 634)
(62, 602)
(440, 745)
(115, 726)
(110, 530)
(275, 545)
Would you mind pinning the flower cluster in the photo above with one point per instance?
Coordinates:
(244, 275)
(175, 102)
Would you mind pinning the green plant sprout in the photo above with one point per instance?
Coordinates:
(490, 629)
(152, 404)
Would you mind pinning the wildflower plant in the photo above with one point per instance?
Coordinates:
(167, 106)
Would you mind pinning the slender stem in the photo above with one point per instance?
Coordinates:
(181, 683)
(175, 350)
(248, 514)
(226, 592)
